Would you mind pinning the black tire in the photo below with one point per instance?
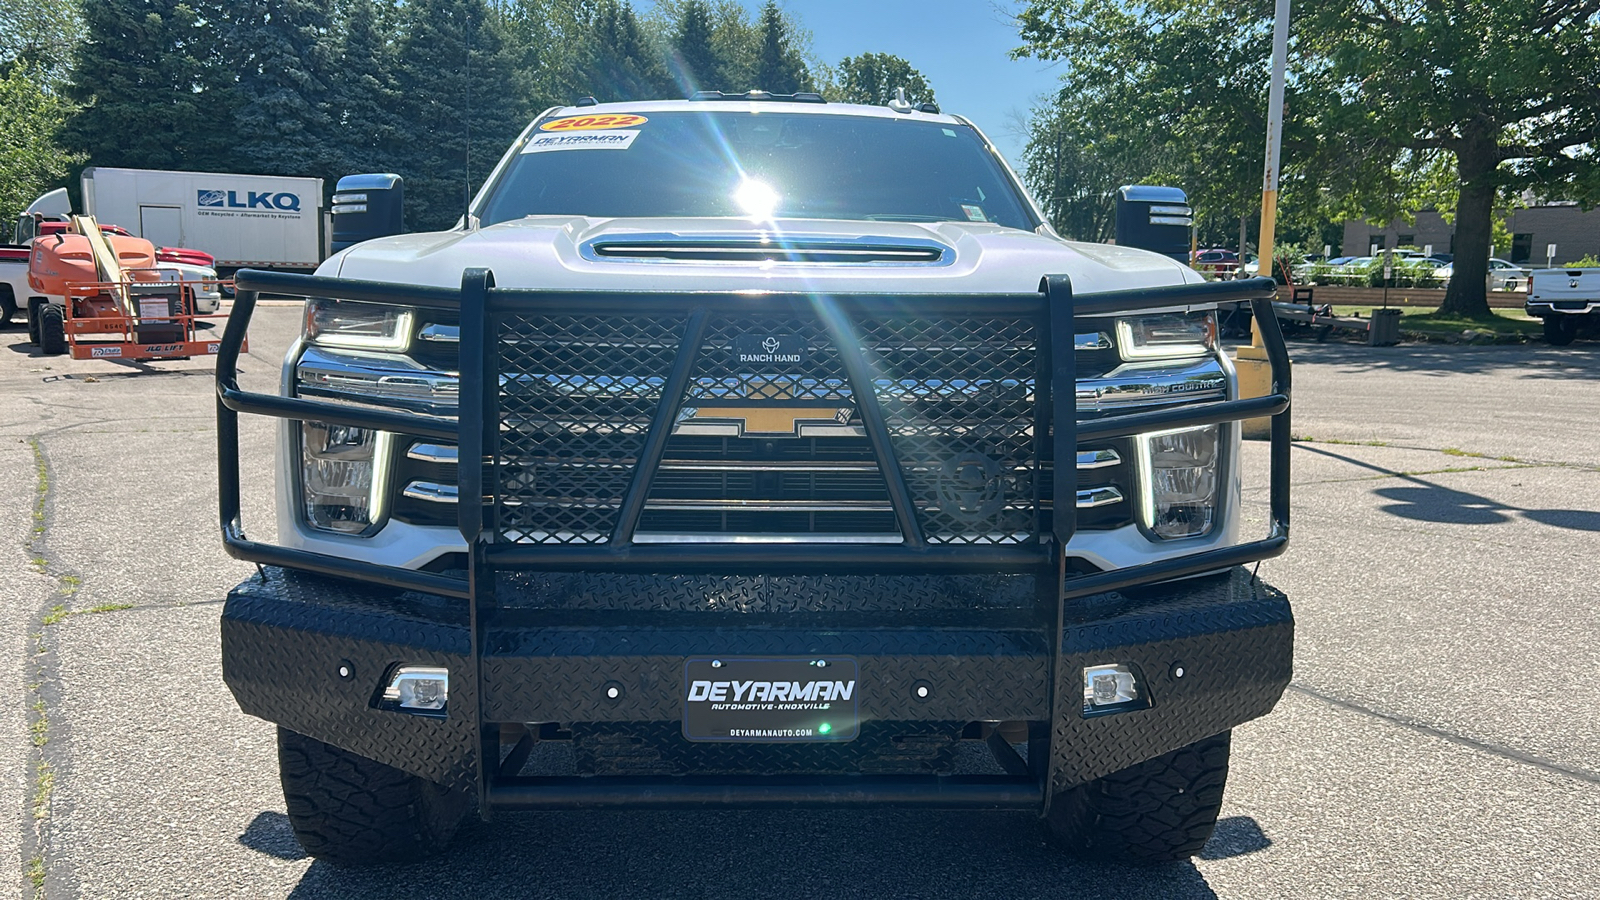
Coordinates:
(52, 330)
(1560, 330)
(34, 305)
(8, 305)
(351, 810)
(1160, 810)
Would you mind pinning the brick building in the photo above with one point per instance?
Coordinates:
(1574, 231)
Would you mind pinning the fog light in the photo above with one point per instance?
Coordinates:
(1111, 688)
(342, 476)
(1180, 476)
(418, 689)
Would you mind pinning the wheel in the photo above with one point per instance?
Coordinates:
(1159, 810)
(34, 305)
(348, 809)
(8, 305)
(1560, 330)
(52, 330)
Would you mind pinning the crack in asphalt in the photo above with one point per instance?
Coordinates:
(1496, 750)
(46, 764)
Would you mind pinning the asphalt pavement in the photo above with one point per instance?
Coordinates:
(1440, 739)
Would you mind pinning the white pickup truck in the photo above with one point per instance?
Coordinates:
(1568, 300)
(755, 450)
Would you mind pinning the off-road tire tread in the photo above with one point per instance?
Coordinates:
(52, 330)
(350, 810)
(1160, 810)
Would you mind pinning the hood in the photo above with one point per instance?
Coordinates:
(578, 253)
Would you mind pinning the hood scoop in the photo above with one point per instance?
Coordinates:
(787, 249)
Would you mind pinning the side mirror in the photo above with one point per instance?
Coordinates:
(367, 207)
(1154, 218)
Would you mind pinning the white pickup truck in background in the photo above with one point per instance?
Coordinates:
(1568, 300)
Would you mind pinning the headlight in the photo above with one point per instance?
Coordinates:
(1167, 335)
(346, 323)
(342, 476)
(1179, 469)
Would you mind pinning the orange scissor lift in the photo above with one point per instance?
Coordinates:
(117, 304)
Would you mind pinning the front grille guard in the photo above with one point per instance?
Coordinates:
(482, 306)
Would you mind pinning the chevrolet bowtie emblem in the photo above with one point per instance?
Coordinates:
(760, 421)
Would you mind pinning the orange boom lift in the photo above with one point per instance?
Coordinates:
(115, 302)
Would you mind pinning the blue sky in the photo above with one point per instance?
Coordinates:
(960, 46)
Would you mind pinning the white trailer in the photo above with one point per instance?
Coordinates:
(262, 221)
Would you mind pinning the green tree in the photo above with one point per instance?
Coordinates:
(151, 87)
(40, 37)
(696, 64)
(873, 79)
(451, 77)
(1073, 167)
(1383, 93)
(285, 57)
(30, 161)
(781, 68)
(363, 100)
(623, 63)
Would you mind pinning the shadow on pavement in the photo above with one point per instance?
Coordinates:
(1425, 501)
(1235, 836)
(1522, 360)
(747, 854)
(270, 833)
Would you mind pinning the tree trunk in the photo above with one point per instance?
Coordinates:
(1468, 294)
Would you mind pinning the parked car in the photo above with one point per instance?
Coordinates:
(1507, 276)
(1217, 263)
(202, 279)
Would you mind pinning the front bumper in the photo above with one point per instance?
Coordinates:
(311, 654)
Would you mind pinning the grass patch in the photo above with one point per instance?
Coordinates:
(1307, 439)
(1504, 324)
(36, 876)
(55, 615)
(43, 786)
(107, 607)
(41, 488)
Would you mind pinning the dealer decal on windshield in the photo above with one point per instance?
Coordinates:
(598, 140)
(592, 123)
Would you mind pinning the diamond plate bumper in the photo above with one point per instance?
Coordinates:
(286, 636)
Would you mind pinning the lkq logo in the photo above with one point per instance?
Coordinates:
(270, 201)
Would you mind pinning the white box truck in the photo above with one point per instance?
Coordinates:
(261, 221)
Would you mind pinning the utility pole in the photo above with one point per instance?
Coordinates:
(1255, 372)
(1269, 182)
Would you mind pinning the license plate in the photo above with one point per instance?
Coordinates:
(771, 700)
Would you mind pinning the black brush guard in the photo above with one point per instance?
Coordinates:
(482, 307)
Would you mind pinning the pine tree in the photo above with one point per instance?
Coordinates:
(363, 104)
(150, 81)
(780, 68)
(458, 112)
(285, 59)
(623, 64)
(695, 61)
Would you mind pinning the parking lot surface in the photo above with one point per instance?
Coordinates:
(1440, 739)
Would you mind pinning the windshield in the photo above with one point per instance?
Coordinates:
(756, 164)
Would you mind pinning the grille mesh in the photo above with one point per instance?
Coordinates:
(958, 398)
(578, 392)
